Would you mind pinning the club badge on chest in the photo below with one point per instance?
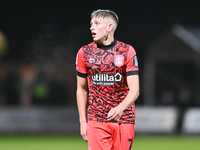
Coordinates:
(118, 60)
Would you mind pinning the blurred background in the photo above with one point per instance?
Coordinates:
(38, 45)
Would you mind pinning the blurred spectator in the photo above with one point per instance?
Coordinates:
(41, 90)
(168, 97)
(28, 77)
(184, 97)
(57, 92)
(10, 90)
(3, 72)
(26, 86)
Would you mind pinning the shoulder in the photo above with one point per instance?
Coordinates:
(123, 44)
(88, 49)
(89, 46)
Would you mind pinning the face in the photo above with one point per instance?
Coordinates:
(99, 29)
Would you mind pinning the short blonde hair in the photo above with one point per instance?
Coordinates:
(106, 13)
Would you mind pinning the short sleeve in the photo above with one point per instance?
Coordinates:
(80, 64)
(132, 66)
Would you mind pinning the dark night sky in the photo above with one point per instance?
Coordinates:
(66, 23)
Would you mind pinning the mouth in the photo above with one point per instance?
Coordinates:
(93, 34)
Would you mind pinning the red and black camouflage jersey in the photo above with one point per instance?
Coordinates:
(106, 69)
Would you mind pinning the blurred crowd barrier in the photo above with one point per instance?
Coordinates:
(167, 120)
(191, 122)
(150, 120)
(41, 120)
(29, 85)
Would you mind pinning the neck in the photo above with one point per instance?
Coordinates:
(105, 47)
(108, 41)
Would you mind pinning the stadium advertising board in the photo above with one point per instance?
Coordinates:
(156, 120)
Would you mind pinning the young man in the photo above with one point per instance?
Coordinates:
(107, 86)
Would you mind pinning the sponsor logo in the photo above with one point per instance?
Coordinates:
(118, 60)
(105, 79)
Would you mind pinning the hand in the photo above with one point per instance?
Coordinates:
(83, 131)
(114, 114)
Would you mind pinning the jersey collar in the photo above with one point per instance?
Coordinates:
(106, 47)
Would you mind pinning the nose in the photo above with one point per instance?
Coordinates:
(91, 27)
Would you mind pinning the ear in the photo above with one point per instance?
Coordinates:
(110, 27)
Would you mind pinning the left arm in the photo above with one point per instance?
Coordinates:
(133, 83)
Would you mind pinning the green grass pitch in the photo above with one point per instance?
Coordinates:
(72, 142)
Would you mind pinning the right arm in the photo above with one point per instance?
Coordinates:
(82, 104)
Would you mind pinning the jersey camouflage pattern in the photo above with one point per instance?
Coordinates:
(106, 69)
